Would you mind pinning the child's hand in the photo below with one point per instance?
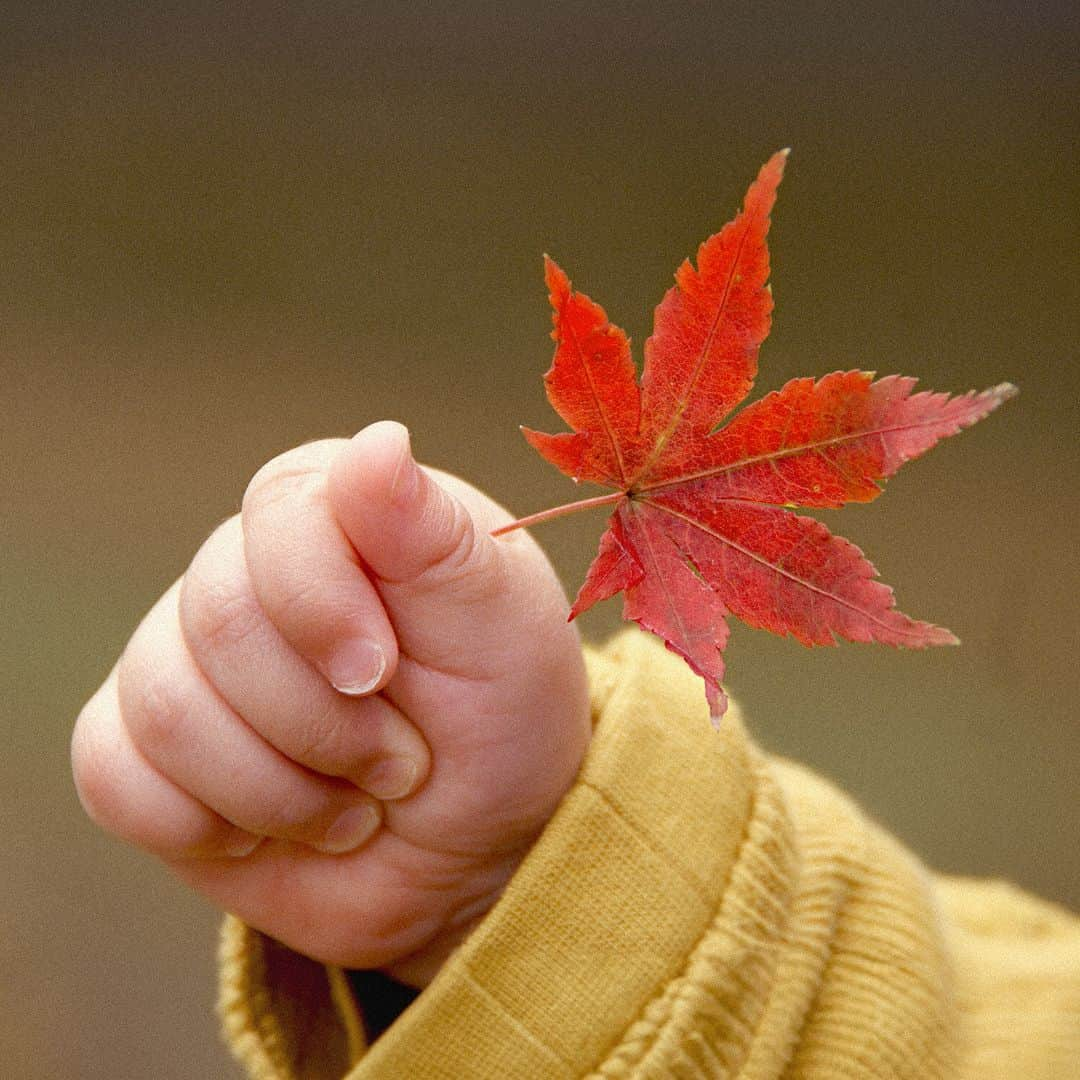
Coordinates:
(371, 824)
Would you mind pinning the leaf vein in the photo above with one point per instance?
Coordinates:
(793, 578)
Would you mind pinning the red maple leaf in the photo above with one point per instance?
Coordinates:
(700, 529)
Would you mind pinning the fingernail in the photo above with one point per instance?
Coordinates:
(392, 778)
(350, 830)
(356, 667)
(243, 845)
(403, 482)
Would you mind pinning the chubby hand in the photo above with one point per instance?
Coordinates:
(354, 713)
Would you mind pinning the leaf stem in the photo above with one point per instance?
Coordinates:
(559, 511)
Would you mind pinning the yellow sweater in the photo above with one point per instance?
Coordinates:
(695, 910)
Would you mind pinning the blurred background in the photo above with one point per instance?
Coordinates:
(227, 229)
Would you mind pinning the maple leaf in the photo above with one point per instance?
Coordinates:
(701, 528)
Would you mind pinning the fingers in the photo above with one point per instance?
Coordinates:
(364, 740)
(443, 579)
(307, 576)
(188, 734)
(127, 796)
(408, 529)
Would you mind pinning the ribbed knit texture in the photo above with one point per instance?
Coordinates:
(696, 910)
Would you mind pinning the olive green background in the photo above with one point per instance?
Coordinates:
(227, 229)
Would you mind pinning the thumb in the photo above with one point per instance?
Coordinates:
(442, 578)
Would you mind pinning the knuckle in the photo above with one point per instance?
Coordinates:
(461, 542)
(472, 570)
(94, 781)
(299, 472)
(215, 613)
(462, 553)
(151, 707)
(228, 596)
(274, 485)
(114, 793)
(224, 622)
(102, 782)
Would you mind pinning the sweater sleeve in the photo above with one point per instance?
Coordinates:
(695, 909)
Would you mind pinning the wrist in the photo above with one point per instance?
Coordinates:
(419, 967)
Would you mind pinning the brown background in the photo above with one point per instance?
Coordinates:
(230, 228)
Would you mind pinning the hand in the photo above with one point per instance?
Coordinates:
(354, 713)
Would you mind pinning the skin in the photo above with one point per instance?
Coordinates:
(352, 643)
